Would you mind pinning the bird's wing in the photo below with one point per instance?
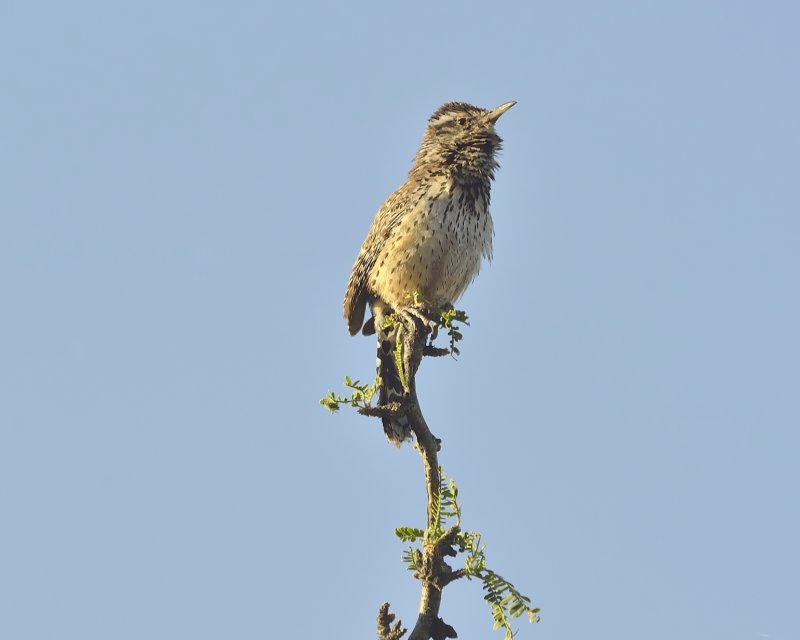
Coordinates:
(384, 224)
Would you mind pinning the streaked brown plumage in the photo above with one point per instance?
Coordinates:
(429, 237)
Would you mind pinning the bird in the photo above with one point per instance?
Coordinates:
(428, 239)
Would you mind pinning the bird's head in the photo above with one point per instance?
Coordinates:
(462, 138)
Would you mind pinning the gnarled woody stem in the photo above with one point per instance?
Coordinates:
(434, 573)
(431, 596)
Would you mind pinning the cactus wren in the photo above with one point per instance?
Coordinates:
(426, 242)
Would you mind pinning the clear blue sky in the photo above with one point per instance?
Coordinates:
(185, 186)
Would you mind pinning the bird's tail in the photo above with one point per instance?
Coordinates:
(397, 427)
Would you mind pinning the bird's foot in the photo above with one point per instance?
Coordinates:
(426, 317)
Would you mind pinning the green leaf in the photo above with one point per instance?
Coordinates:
(409, 534)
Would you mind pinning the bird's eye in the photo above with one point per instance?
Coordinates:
(462, 121)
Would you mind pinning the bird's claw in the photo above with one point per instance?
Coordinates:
(430, 324)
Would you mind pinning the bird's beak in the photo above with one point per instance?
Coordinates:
(495, 113)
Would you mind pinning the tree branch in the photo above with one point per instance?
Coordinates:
(414, 327)
(434, 572)
(385, 629)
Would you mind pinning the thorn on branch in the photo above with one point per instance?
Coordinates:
(455, 575)
(435, 352)
(437, 443)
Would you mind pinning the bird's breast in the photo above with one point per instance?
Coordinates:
(437, 246)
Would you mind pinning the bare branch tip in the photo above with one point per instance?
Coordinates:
(385, 629)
